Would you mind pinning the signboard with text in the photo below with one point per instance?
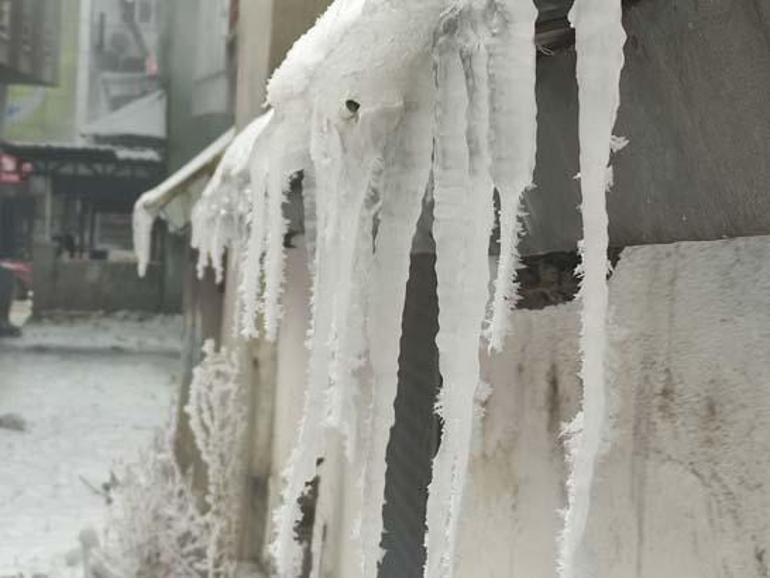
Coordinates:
(13, 170)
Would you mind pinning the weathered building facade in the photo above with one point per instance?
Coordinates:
(681, 476)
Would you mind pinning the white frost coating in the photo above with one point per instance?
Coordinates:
(294, 76)
(463, 222)
(394, 38)
(362, 141)
(325, 151)
(219, 217)
(346, 153)
(513, 140)
(150, 205)
(279, 153)
(251, 261)
(599, 41)
(142, 221)
(277, 182)
(407, 169)
(161, 526)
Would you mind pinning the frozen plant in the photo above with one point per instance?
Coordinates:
(160, 524)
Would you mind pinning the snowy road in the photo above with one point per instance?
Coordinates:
(87, 405)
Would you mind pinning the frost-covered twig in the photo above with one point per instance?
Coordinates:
(159, 524)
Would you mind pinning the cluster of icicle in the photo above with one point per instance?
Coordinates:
(220, 217)
(468, 124)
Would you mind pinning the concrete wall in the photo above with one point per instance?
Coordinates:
(681, 490)
(682, 486)
(90, 285)
(692, 103)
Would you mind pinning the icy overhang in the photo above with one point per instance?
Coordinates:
(151, 204)
(328, 66)
(226, 196)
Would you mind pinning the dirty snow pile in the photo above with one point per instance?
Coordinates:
(442, 100)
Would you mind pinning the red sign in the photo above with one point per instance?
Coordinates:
(13, 170)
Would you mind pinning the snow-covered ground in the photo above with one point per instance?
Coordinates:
(119, 332)
(92, 390)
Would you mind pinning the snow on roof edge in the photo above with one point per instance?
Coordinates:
(295, 73)
(157, 197)
(148, 206)
(145, 117)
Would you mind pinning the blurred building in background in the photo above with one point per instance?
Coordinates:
(89, 146)
(29, 48)
(29, 43)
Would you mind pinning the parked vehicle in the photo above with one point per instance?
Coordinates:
(22, 272)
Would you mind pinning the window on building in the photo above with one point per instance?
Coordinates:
(101, 32)
(144, 12)
(5, 18)
(211, 94)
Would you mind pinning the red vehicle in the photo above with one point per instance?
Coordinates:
(22, 272)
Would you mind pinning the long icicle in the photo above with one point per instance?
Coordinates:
(354, 258)
(599, 40)
(326, 155)
(275, 255)
(407, 170)
(251, 266)
(463, 220)
(513, 140)
(344, 158)
(363, 140)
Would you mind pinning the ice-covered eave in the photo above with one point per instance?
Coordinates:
(327, 66)
(230, 176)
(150, 204)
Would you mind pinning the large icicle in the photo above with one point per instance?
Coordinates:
(281, 152)
(463, 220)
(513, 139)
(143, 220)
(345, 153)
(407, 169)
(251, 265)
(277, 183)
(288, 155)
(352, 226)
(599, 39)
(349, 349)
